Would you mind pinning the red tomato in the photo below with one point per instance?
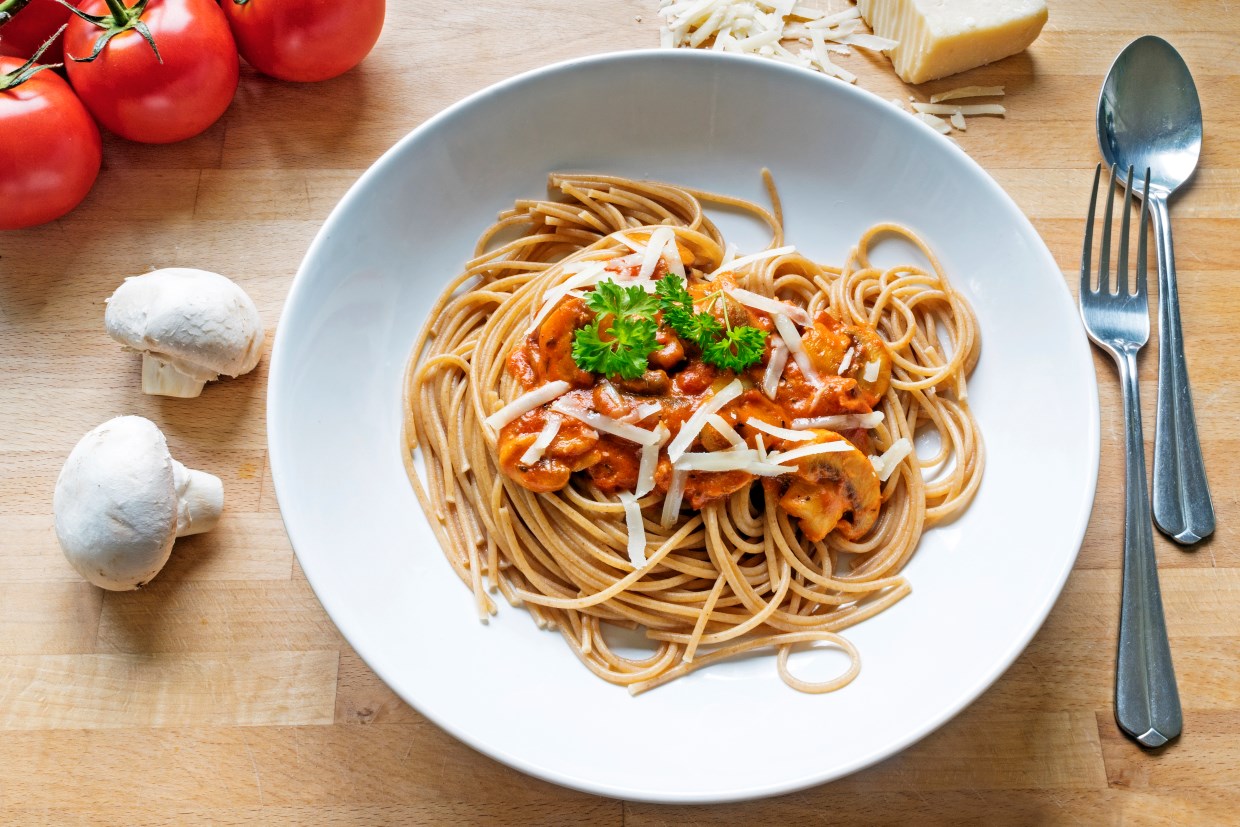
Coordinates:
(49, 149)
(31, 27)
(132, 93)
(304, 40)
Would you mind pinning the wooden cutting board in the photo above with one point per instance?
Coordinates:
(222, 693)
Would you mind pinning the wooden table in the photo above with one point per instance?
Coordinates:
(222, 693)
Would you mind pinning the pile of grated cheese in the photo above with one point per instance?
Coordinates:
(761, 27)
(767, 28)
(944, 117)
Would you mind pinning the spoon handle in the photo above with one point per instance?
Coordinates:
(1182, 507)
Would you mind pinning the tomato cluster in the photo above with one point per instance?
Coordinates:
(158, 71)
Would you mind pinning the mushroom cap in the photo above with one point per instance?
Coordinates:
(200, 322)
(116, 504)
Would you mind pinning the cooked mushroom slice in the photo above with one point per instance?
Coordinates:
(836, 491)
(121, 501)
(189, 325)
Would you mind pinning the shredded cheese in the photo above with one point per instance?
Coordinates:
(753, 258)
(675, 264)
(690, 430)
(872, 369)
(725, 430)
(836, 447)
(957, 121)
(671, 501)
(650, 460)
(761, 27)
(775, 431)
(535, 452)
(934, 122)
(968, 92)
(606, 424)
(840, 422)
(792, 339)
(527, 402)
(747, 460)
(609, 392)
(846, 362)
(654, 251)
(641, 412)
(586, 277)
(969, 109)
(890, 459)
(775, 367)
(637, 530)
(769, 305)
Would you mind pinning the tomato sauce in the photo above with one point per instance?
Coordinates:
(825, 492)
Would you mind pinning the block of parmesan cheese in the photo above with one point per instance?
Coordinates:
(938, 38)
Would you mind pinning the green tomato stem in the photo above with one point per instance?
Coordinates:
(9, 8)
(119, 12)
(31, 67)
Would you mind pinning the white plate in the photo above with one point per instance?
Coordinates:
(843, 160)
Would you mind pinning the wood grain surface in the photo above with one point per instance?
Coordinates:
(223, 694)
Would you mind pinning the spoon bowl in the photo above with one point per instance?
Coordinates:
(1149, 115)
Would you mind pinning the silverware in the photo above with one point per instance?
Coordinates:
(1149, 116)
(1147, 703)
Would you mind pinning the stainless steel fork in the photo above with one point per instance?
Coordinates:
(1147, 702)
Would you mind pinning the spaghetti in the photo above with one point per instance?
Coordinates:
(739, 573)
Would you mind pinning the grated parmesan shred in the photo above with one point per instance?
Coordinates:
(836, 447)
(671, 501)
(636, 528)
(690, 430)
(650, 460)
(782, 433)
(770, 305)
(840, 422)
(725, 430)
(775, 367)
(792, 340)
(527, 402)
(535, 452)
(968, 92)
(886, 464)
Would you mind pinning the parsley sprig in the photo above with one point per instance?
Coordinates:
(722, 345)
(622, 335)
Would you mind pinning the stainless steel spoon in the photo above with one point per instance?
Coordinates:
(1149, 115)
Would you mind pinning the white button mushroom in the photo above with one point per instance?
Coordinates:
(189, 325)
(121, 501)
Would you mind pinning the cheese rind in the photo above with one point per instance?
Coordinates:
(938, 38)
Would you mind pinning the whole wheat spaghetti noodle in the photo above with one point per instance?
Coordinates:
(739, 573)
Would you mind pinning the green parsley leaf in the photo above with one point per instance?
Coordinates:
(622, 335)
(730, 348)
(675, 301)
(633, 302)
(678, 313)
(739, 348)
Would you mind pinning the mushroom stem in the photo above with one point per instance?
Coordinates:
(200, 499)
(162, 379)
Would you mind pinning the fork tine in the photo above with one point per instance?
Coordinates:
(1121, 266)
(1086, 253)
(1142, 240)
(1104, 257)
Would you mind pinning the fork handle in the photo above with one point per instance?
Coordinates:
(1147, 702)
(1182, 507)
